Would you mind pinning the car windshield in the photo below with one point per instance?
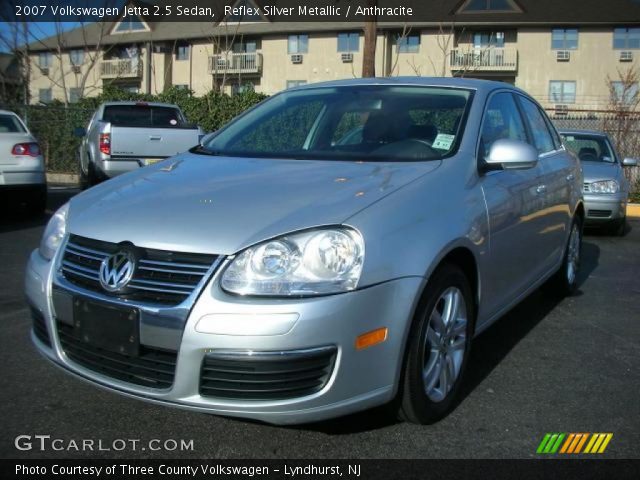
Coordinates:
(142, 115)
(373, 122)
(10, 124)
(589, 148)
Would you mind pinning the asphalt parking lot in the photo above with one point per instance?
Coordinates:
(548, 366)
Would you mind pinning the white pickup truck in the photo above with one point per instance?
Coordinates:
(123, 136)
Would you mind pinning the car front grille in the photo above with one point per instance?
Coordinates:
(599, 213)
(150, 368)
(266, 375)
(39, 327)
(160, 276)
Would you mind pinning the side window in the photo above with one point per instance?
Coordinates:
(501, 120)
(541, 137)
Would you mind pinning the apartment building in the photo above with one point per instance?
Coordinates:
(565, 63)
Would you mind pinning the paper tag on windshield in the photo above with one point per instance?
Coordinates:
(443, 141)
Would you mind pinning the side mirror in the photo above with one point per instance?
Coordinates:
(79, 132)
(512, 154)
(629, 162)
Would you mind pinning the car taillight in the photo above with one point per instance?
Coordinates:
(105, 143)
(31, 149)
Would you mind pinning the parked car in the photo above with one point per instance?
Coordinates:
(606, 189)
(276, 273)
(22, 173)
(123, 136)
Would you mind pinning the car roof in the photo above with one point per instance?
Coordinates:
(8, 112)
(468, 83)
(595, 133)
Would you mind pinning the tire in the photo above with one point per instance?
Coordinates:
(37, 201)
(564, 282)
(618, 228)
(89, 179)
(427, 391)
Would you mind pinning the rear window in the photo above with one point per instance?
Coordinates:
(10, 124)
(143, 116)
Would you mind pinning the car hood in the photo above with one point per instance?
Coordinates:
(220, 205)
(594, 171)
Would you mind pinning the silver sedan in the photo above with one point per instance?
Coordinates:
(606, 189)
(333, 249)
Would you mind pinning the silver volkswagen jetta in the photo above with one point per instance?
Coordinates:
(332, 249)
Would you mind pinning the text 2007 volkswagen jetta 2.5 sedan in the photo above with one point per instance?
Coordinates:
(335, 248)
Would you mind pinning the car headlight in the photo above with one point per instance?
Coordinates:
(54, 233)
(604, 186)
(314, 262)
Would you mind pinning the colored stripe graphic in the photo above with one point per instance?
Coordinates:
(573, 443)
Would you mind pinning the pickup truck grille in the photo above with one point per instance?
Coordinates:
(160, 277)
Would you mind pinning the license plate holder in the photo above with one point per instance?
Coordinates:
(108, 327)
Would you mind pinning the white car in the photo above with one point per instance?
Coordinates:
(22, 172)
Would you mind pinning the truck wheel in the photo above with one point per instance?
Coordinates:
(438, 347)
(90, 178)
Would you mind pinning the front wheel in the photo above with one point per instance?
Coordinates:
(438, 348)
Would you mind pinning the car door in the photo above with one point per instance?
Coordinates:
(558, 180)
(514, 205)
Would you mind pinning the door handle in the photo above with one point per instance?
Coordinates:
(570, 177)
(155, 137)
(540, 189)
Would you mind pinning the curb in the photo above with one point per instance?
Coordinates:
(71, 178)
(633, 210)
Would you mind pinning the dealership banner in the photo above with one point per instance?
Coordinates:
(269, 11)
(312, 469)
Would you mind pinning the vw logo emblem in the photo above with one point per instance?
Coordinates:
(116, 271)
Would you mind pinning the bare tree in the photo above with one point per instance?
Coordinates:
(370, 40)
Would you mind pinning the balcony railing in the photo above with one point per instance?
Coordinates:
(484, 59)
(121, 68)
(225, 63)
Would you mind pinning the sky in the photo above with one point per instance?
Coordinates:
(39, 30)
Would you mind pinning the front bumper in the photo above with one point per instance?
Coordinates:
(360, 378)
(604, 208)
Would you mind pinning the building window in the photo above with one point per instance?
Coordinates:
(409, 44)
(564, 38)
(44, 95)
(561, 91)
(130, 23)
(295, 83)
(182, 52)
(348, 42)
(493, 6)
(76, 57)
(298, 44)
(625, 94)
(626, 38)
(75, 94)
(488, 40)
(182, 86)
(45, 59)
(237, 88)
(249, 46)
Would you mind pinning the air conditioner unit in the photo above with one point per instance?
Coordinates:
(562, 110)
(76, 68)
(221, 63)
(563, 55)
(626, 56)
(44, 70)
(297, 58)
(347, 57)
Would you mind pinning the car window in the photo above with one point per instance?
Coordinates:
(541, 136)
(372, 122)
(502, 120)
(10, 124)
(142, 116)
(589, 148)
